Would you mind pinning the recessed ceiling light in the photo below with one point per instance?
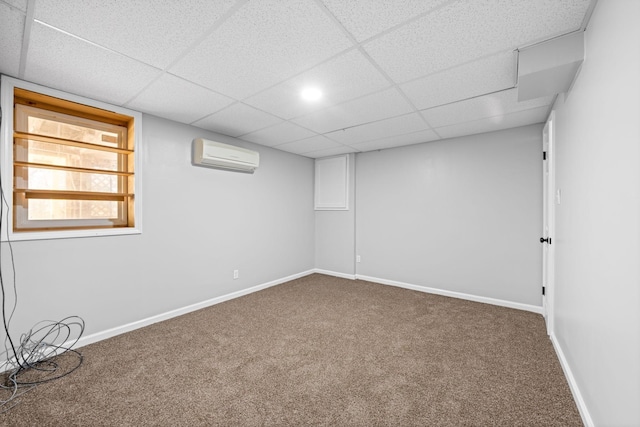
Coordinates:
(311, 94)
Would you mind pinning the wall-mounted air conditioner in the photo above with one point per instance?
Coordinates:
(223, 156)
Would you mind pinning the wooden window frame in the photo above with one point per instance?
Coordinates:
(16, 92)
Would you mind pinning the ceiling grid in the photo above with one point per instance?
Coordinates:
(390, 75)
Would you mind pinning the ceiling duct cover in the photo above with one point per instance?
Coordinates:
(549, 68)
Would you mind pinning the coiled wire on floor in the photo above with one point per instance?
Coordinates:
(45, 353)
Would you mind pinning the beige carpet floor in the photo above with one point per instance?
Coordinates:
(317, 351)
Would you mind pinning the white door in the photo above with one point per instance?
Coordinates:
(548, 219)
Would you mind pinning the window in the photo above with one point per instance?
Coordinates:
(73, 167)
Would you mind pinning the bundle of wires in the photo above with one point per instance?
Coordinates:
(44, 353)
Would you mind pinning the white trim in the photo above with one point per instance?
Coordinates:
(453, 294)
(6, 158)
(549, 200)
(99, 336)
(335, 273)
(573, 385)
(118, 330)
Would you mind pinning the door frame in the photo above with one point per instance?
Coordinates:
(550, 196)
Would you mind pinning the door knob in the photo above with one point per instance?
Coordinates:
(548, 240)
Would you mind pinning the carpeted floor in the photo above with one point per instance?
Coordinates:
(317, 351)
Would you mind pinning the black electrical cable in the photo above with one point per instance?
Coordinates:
(6, 323)
(40, 351)
(41, 355)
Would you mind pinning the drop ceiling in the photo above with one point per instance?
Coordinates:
(392, 73)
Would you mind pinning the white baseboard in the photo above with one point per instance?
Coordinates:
(573, 385)
(335, 273)
(460, 295)
(99, 336)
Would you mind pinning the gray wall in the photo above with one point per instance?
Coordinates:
(335, 235)
(460, 215)
(597, 289)
(199, 225)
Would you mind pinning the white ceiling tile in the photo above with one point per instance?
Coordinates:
(150, 31)
(314, 143)
(262, 44)
(18, 4)
(278, 134)
(486, 75)
(63, 62)
(494, 105)
(179, 100)
(398, 141)
(490, 124)
(345, 77)
(237, 66)
(380, 129)
(370, 108)
(364, 19)
(330, 152)
(467, 30)
(11, 28)
(237, 120)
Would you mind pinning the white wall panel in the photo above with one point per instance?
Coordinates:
(597, 287)
(332, 176)
(461, 215)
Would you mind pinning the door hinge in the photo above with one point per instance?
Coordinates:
(544, 155)
(543, 289)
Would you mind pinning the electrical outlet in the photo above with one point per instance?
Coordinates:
(236, 274)
(357, 258)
